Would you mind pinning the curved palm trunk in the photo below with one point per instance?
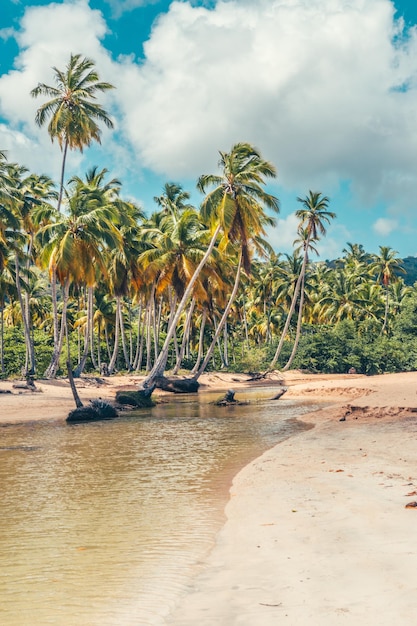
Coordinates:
(54, 364)
(297, 287)
(298, 332)
(139, 338)
(185, 337)
(123, 337)
(113, 359)
(222, 321)
(200, 342)
(159, 366)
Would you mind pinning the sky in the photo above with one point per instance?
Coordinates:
(325, 89)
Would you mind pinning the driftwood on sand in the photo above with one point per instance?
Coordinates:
(279, 393)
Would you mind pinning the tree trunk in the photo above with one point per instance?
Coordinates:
(185, 337)
(222, 321)
(75, 395)
(61, 182)
(159, 366)
(113, 359)
(54, 364)
(30, 353)
(123, 337)
(292, 307)
(87, 346)
(200, 342)
(298, 332)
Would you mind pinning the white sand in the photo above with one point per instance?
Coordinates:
(317, 531)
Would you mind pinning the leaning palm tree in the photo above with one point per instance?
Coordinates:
(234, 206)
(302, 241)
(72, 111)
(238, 202)
(312, 216)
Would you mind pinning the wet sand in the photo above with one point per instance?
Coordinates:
(318, 531)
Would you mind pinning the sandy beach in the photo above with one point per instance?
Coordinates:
(318, 531)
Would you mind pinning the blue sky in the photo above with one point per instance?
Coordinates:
(327, 90)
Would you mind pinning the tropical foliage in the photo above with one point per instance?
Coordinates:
(89, 278)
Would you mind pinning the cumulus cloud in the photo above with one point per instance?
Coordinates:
(384, 226)
(46, 38)
(326, 89)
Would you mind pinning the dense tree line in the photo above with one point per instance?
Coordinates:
(90, 278)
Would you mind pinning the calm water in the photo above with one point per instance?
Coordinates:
(104, 524)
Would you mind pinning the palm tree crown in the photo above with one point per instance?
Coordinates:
(72, 111)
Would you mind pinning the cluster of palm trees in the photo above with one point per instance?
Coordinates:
(137, 292)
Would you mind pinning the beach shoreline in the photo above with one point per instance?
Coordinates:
(317, 530)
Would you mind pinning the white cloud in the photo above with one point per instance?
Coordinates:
(319, 86)
(384, 226)
(121, 6)
(315, 85)
(48, 35)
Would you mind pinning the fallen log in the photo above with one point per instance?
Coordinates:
(140, 399)
(177, 385)
(229, 399)
(279, 393)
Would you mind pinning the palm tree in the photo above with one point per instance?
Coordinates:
(239, 190)
(73, 248)
(238, 201)
(313, 216)
(303, 240)
(73, 113)
(387, 265)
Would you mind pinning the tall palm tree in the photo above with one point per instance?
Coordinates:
(387, 265)
(73, 249)
(237, 191)
(72, 111)
(238, 202)
(313, 216)
(303, 240)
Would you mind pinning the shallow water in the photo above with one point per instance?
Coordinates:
(105, 523)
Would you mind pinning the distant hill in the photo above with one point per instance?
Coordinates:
(410, 266)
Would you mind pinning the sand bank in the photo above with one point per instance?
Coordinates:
(317, 529)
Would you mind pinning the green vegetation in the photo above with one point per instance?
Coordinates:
(88, 277)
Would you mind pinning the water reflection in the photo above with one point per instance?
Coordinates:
(103, 523)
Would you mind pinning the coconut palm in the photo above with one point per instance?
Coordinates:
(73, 113)
(387, 265)
(238, 202)
(312, 216)
(73, 249)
